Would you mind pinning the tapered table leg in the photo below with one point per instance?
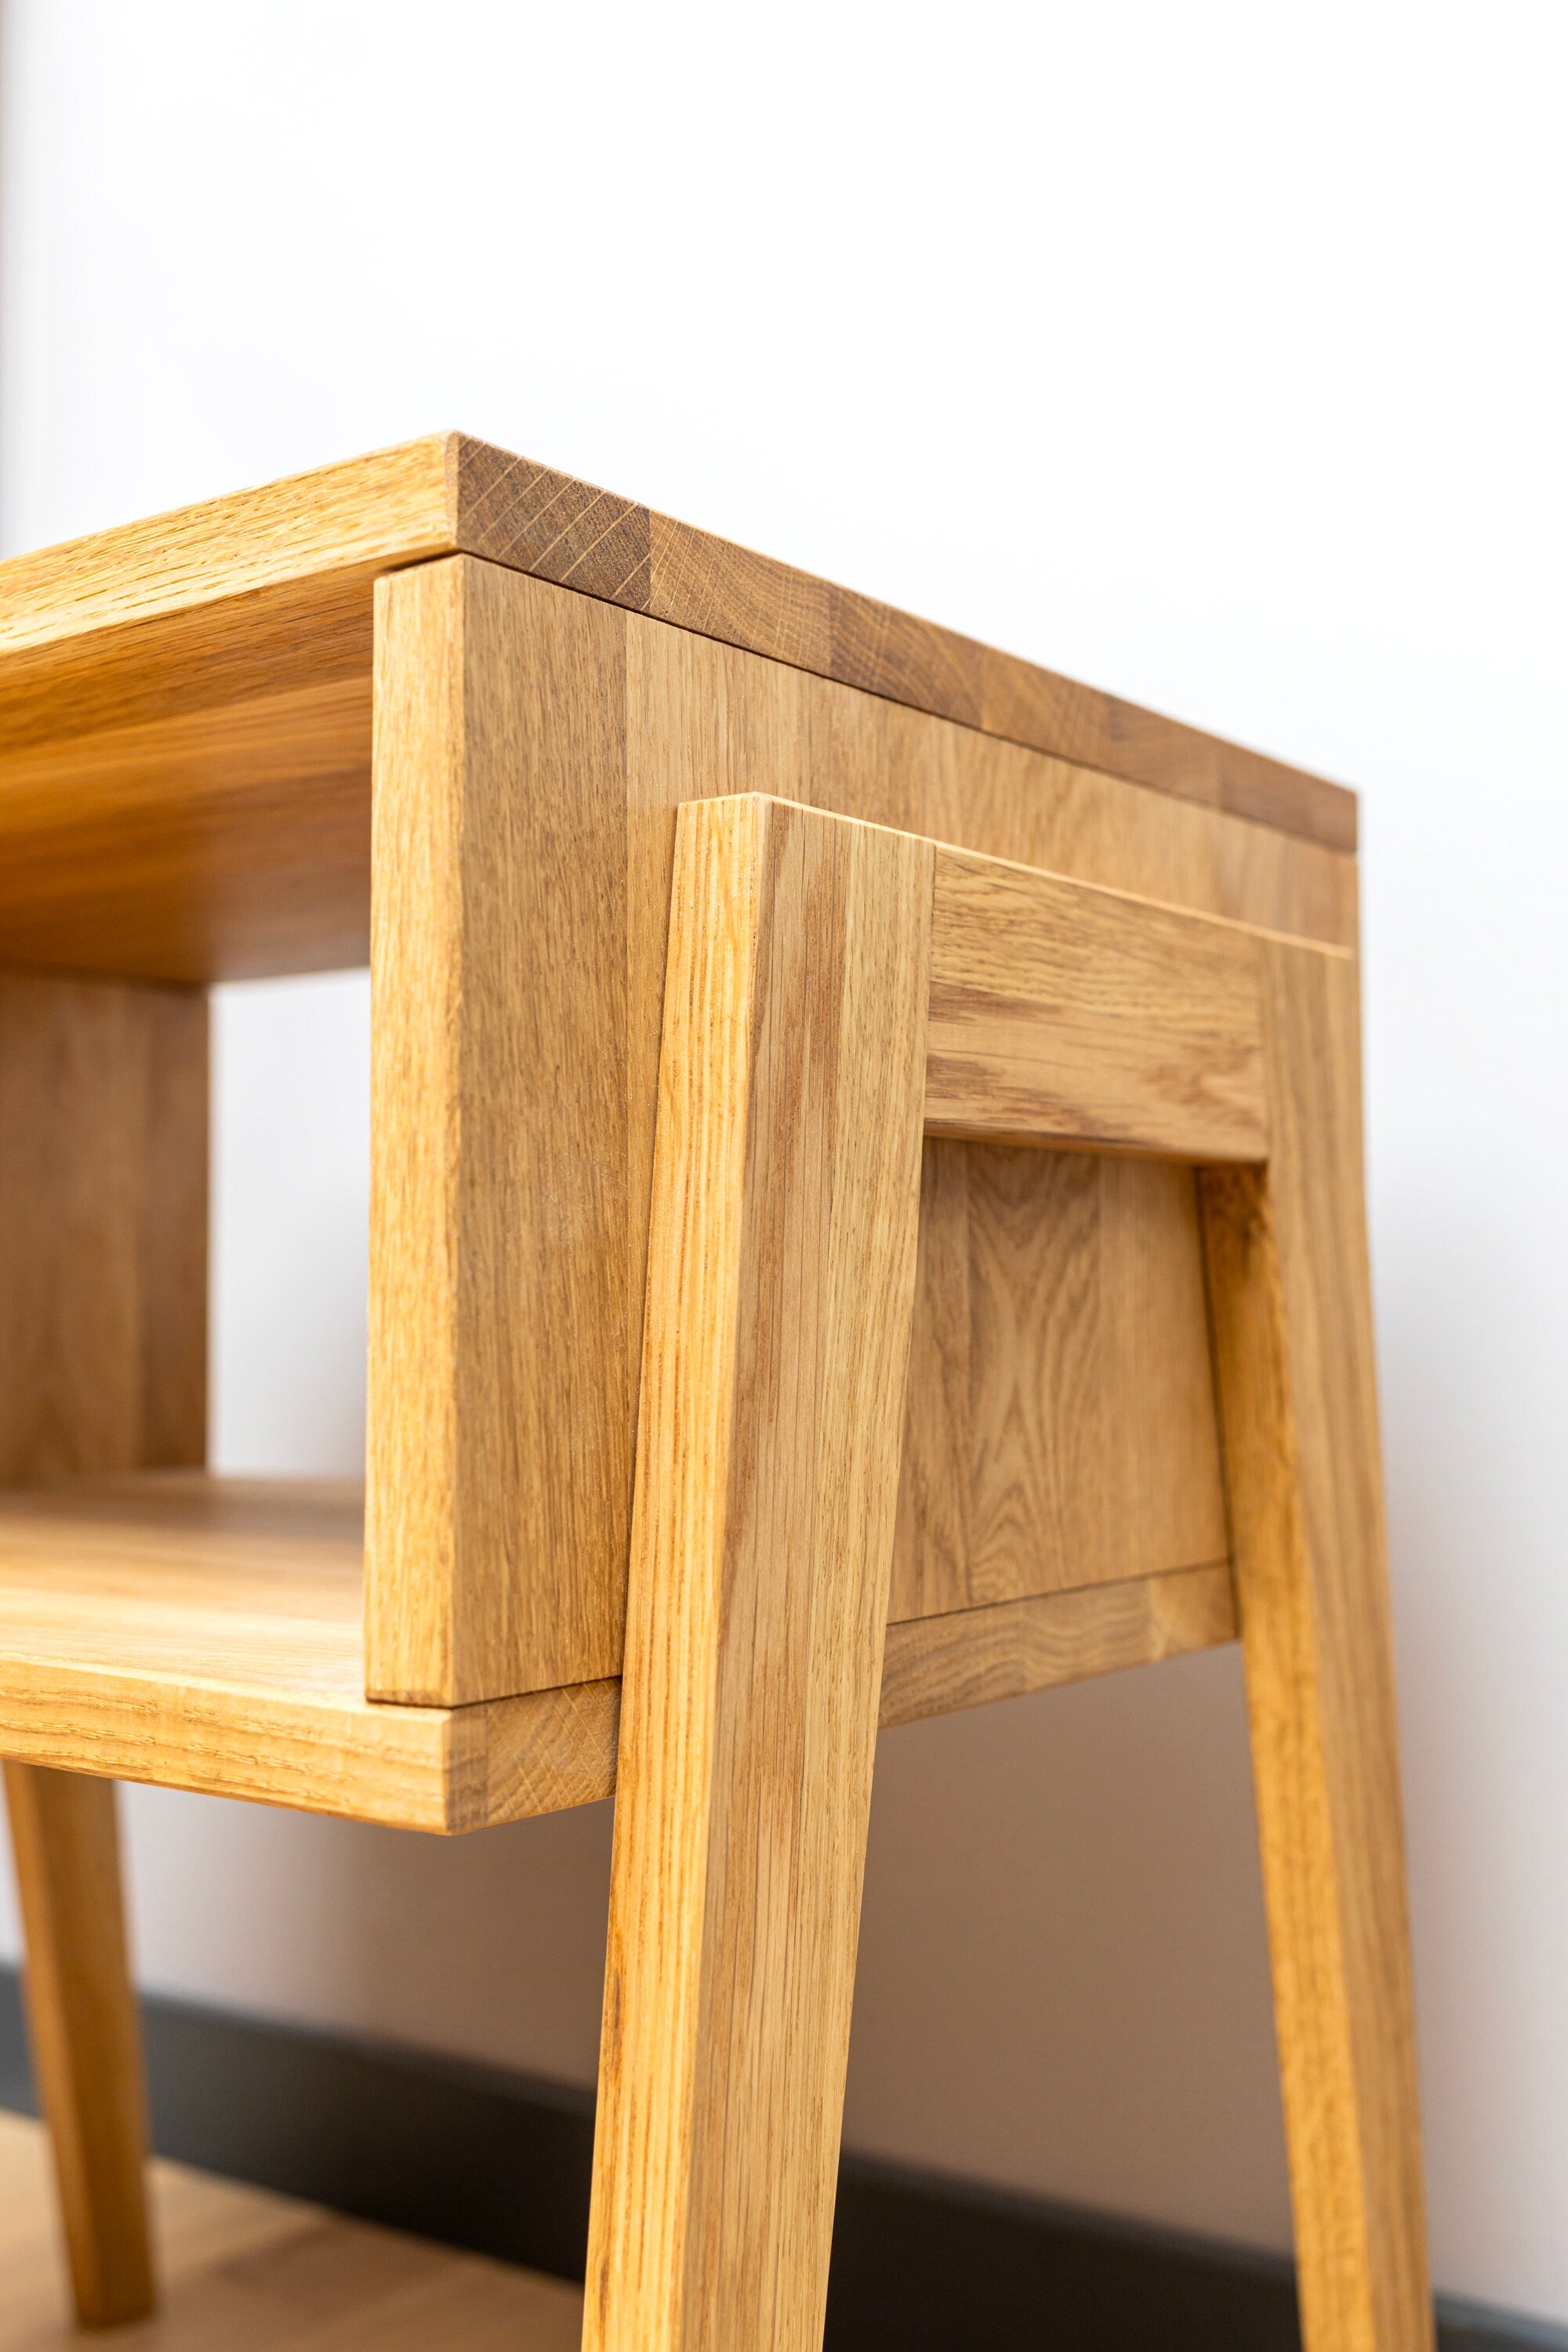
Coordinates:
(86, 2037)
(780, 1296)
(1290, 1296)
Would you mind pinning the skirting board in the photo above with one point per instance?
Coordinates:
(472, 2156)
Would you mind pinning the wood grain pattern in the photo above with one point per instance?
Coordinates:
(346, 522)
(705, 719)
(185, 702)
(85, 2034)
(207, 1633)
(1060, 1424)
(665, 717)
(587, 852)
(1290, 1292)
(1065, 1014)
(103, 1112)
(103, 1199)
(500, 1403)
(194, 804)
(214, 844)
(978, 1655)
(515, 511)
(780, 1290)
(246, 2270)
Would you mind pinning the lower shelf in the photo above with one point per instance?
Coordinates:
(206, 1632)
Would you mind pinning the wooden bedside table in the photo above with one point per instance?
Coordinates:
(990, 1165)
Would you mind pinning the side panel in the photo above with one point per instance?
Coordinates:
(501, 1405)
(1060, 1425)
(532, 746)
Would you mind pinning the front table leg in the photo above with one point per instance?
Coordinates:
(781, 1286)
(86, 2036)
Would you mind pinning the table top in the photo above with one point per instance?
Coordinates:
(93, 632)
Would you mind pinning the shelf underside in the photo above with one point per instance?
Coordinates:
(206, 1632)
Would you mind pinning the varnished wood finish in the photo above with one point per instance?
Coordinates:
(187, 716)
(246, 2271)
(780, 1290)
(185, 709)
(517, 512)
(1061, 1015)
(706, 718)
(104, 1137)
(85, 2036)
(935, 1664)
(1290, 1292)
(1068, 1431)
(227, 833)
(107, 611)
(615, 720)
(103, 1141)
(500, 1403)
(1060, 1424)
(186, 727)
(207, 1633)
(525, 1146)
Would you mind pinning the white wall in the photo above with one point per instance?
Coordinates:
(1214, 354)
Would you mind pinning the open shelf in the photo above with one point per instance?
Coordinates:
(206, 1632)
(251, 1584)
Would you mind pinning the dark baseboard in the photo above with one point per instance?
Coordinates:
(499, 2163)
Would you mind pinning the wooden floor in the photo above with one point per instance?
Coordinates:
(247, 2272)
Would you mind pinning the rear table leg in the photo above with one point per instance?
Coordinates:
(86, 2036)
(1289, 1289)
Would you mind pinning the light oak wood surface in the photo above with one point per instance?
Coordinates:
(1290, 1305)
(517, 512)
(706, 718)
(186, 713)
(501, 1396)
(513, 1159)
(1291, 1302)
(1060, 1425)
(103, 1140)
(85, 2035)
(1061, 1410)
(523, 677)
(1063, 1014)
(206, 1633)
(781, 1286)
(104, 1137)
(241, 629)
(978, 1655)
(246, 2271)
